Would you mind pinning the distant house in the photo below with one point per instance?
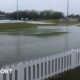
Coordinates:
(24, 19)
(3, 17)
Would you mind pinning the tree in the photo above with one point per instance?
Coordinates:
(49, 14)
(2, 13)
(36, 15)
(57, 15)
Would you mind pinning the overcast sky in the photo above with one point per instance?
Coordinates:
(59, 5)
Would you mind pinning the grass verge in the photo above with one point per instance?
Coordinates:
(69, 75)
(20, 26)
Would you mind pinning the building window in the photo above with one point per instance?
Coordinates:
(33, 71)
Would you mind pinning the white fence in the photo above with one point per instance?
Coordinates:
(45, 67)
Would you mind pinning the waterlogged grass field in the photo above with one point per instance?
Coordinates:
(24, 25)
(28, 29)
(19, 26)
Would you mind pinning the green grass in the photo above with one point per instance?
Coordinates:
(16, 27)
(20, 26)
(69, 75)
(63, 23)
(52, 21)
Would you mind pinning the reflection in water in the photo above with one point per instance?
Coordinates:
(20, 46)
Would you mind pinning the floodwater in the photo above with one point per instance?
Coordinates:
(32, 43)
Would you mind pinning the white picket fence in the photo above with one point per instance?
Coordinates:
(42, 68)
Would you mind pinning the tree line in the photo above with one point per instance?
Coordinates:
(36, 15)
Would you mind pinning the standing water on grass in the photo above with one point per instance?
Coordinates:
(34, 43)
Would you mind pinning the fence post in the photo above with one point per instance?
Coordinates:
(73, 59)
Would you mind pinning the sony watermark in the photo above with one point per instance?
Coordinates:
(5, 71)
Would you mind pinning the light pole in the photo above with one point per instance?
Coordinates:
(17, 10)
(67, 8)
(66, 37)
